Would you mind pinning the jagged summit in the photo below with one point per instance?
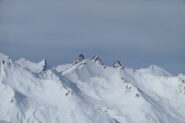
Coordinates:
(118, 64)
(97, 59)
(87, 92)
(79, 58)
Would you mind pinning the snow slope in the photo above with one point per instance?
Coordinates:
(34, 67)
(87, 91)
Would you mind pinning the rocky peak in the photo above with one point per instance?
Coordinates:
(117, 64)
(97, 59)
(79, 58)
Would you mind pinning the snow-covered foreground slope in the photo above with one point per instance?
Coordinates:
(87, 91)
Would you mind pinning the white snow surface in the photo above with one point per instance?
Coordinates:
(34, 67)
(88, 92)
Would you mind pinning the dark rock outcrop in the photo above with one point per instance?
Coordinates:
(79, 58)
(118, 64)
(97, 59)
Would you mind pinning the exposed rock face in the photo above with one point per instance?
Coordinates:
(118, 64)
(44, 64)
(97, 59)
(79, 58)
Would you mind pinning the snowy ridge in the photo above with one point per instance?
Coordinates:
(155, 70)
(34, 67)
(87, 91)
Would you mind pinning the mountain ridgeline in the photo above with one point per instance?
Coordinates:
(88, 91)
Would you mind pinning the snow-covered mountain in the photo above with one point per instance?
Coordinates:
(87, 91)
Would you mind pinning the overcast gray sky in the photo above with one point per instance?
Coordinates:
(137, 32)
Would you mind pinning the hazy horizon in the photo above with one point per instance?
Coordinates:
(138, 33)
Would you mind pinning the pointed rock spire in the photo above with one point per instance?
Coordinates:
(118, 64)
(79, 58)
(97, 59)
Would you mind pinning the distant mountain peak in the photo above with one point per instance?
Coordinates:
(79, 58)
(97, 59)
(118, 64)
